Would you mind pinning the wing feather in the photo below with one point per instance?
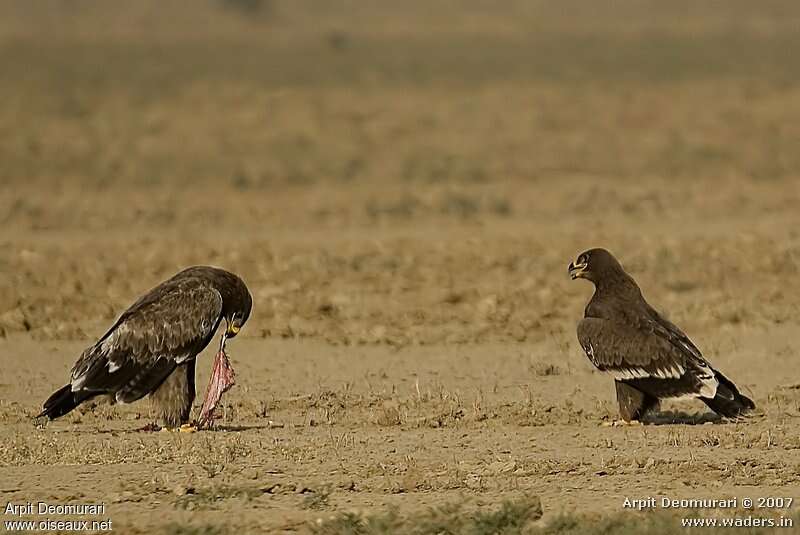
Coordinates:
(628, 352)
(169, 325)
(668, 330)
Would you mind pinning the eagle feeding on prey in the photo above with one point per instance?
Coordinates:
(152, 347)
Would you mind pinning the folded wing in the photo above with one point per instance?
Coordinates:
(647, 354)
(166, 327)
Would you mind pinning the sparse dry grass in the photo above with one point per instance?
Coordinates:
(510, 517)
(517, 517)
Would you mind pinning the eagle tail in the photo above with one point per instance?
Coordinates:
(63, 401)
(728, 401)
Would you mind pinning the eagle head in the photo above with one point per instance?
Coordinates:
(594, 265)
(237, 304)
(239, 313)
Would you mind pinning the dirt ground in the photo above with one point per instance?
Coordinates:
(402, 190)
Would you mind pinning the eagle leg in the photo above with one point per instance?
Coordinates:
(633, 403)
(172, 400)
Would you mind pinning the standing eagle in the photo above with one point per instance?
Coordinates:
(151, 349)
(650, 358)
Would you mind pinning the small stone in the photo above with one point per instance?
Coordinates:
(347, 484)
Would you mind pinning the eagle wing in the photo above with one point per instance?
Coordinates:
(645, 351)
(169, 325)
(668, 330)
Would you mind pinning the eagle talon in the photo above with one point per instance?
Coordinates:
(184, 428)
(621, 423)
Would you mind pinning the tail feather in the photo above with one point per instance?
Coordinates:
(63, 401)
(728, 401)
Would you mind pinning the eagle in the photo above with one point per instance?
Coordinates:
(650, 358)
(152, 348)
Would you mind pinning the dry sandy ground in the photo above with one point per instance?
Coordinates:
(415, 365)
(371, 426)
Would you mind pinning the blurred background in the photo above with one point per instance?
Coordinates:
(398, 172)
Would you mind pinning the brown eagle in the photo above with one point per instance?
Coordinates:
(649, 357)
(151, 349)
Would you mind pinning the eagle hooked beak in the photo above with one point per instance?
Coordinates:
(233, 329)
(232, 326)
(577, 270)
